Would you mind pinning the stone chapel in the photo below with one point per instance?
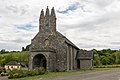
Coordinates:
(53, 51)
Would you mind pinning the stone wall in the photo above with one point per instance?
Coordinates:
(85, 64)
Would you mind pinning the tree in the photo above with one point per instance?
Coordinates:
(27, 47)
(97, 60)
(105, 60)
(112, 58)
(117, 57)
(23, 49)
(2, 51)
(106, 56)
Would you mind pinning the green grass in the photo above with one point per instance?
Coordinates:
(108, 66)
(14, 56)
(53, 74)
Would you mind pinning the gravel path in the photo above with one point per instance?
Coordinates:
(97, 75)
(3, 78)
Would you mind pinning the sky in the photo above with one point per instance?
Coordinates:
(87, 23)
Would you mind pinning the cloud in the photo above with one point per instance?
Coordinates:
(102, 3)
(87, 23)
(70, 8)
(115, 43)
(100, 26)
(27, 26)
(10, 46)
(17, 9)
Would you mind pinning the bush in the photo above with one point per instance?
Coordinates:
(8, 70)
(37, 71)
(4, 74)
(32, 72)
(18, 73)
(40, 70)
(2, 70)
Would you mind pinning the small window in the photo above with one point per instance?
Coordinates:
(46, 42)
(11, 66)
(17, 66)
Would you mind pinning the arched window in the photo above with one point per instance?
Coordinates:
(46, 42)
(47, 26)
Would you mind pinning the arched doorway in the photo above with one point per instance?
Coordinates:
(39, 61)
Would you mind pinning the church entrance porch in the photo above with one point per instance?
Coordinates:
(42, 59)
(39, 61)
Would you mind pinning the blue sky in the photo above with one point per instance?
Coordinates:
(26, 26)
(87, 23)
(70, 8)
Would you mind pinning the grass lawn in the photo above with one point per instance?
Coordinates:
(108, 66)
(52, 74)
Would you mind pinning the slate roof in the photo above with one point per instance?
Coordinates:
(83, 54)
(67, 40)
(12, 63)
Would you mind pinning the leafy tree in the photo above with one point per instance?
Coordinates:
(27, 47)
(2, 51)
(117, 55)
(112, 58)
(97, 60)
(105, 60)
(23, 49)
(14, 56)
(106, 56)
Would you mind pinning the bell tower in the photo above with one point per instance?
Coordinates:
(47, 22)
(41, 21)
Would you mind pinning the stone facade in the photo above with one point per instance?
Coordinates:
(51, 49)
(85, 59)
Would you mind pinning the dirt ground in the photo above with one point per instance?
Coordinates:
(3, 78)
